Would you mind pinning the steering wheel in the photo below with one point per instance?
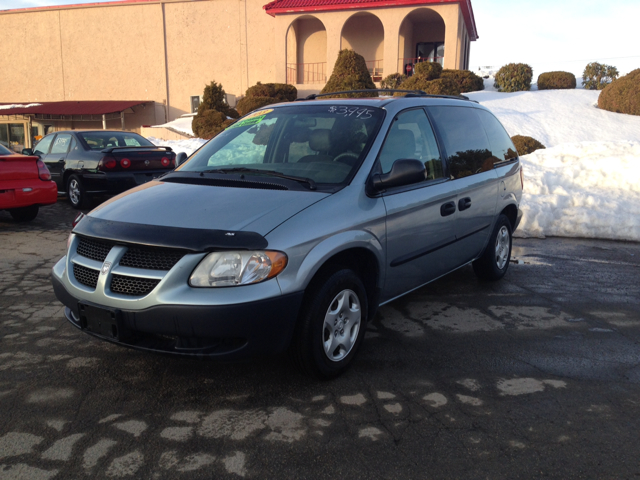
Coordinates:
(345, 155)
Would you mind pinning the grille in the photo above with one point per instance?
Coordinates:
(86, 276)
(150, 258)
(134, 286)
(93, 249)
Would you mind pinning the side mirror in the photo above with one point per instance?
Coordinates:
(181, 158)
(403, 172)
(27, 151)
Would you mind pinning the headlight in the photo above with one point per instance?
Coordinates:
(229, 269)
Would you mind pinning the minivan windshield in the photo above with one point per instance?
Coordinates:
(325, 143)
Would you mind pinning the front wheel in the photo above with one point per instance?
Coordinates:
(493, 263)
(76, 193)
(24, 214)
(332, 324)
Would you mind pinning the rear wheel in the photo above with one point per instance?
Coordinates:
(76, 193)
(494, 262)
(24, 214)
(332, 324)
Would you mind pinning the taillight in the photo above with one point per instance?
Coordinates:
(107, 163)
(43, 171)
(165, 161)
(125, 163)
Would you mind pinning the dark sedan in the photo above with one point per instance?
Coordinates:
(84, 163)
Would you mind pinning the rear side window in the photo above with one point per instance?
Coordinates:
(43, 145)
(411, 137)
(61, 144)
(501, 144)
(467, 145)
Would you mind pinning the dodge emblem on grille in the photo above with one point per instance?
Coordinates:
(146, 162)
(105, 268)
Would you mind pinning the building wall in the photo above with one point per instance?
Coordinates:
(168, 50)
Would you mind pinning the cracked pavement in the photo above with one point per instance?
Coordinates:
(537, 375)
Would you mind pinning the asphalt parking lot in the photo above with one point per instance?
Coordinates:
(537, 376)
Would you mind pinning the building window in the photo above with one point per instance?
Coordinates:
(430, 52)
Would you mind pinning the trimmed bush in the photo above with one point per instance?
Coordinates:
(623, 95)
(439, 86)
(214, 98)
(467, 81)
(596, 76)
(249, 104)
(514, 77)
(281, 91)
(526, 145)
(429, 70)
(208, 123)
(350, 73)
(393, 81)
(556, 81)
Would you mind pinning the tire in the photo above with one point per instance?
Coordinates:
(24, 214)
(332, 324)
(494, 262)
(76, 193)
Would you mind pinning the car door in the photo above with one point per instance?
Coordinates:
(55, 159)
(420, 219)
(470, 163)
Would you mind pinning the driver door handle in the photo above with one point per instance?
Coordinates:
(447, 209)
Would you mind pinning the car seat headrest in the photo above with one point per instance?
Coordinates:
(319, 140)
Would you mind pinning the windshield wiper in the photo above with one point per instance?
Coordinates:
(273, 173)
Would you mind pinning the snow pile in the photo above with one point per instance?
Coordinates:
(180, 125)
(587, 189)
(554, 117)
(187, 146)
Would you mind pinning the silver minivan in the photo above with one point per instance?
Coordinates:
(290, 228)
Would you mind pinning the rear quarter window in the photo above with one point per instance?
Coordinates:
(501, 145)
(465, 141)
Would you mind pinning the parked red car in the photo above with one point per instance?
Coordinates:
(25, 185)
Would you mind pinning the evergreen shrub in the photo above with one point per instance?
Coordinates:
(393, 81)
(514, 77)
(248, 104)
(623, 95)
(467, 81)
(350, 73)
(596, 76)
(526, 145)
(281, 91)
(439, 86)
(556, 81)
(214, 98)
(208, 123)
(429, 70)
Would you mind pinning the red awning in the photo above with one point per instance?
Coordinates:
(291, 6)
(68, 108)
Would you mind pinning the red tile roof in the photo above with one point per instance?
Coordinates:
(292, 6)
(69, 107)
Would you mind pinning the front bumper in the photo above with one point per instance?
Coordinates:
(218, 331)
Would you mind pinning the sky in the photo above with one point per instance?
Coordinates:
(546, 34)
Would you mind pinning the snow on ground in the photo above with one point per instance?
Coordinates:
(188, 146)
(181, 124)
(585, 184)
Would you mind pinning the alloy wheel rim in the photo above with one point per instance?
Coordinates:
(502, 247)
(341, 325)
(74, 192)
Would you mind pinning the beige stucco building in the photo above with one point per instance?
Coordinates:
(162, 53)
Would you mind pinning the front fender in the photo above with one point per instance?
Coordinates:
(306, 266)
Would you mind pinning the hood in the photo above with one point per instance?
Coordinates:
(206, 207)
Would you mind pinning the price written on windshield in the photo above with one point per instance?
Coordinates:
(358, 112)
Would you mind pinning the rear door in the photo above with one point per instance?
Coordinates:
(55, 159)
(470, 162)
(420, 217)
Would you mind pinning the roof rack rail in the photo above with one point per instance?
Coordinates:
(410, 93)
